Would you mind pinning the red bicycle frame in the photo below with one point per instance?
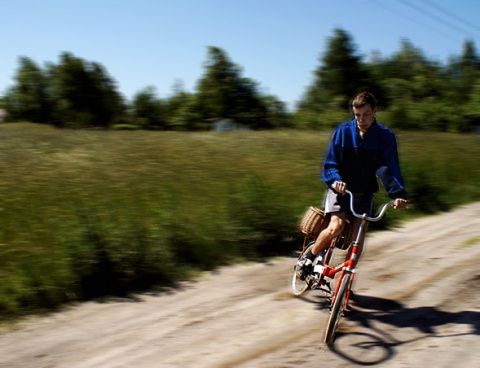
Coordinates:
(349, 264)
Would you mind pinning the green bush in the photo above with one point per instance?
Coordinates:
(117, 253)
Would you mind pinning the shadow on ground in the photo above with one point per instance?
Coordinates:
(372, 345)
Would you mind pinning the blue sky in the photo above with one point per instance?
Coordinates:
(277, 43)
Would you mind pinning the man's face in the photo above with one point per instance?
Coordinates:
(365, 117)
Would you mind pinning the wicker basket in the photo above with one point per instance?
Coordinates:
(313, 222)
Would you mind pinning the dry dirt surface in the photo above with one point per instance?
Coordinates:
(418, 292)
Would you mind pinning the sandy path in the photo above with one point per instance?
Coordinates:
(419, 301)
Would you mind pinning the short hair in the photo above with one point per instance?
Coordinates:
(363, 99)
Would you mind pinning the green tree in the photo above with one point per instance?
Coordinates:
(417, 90)
(29, 98)
(189, 116)
(148, 110)
(404, 63)
(463, 71)
(84, 94)
(401, 95)
(339, 76)
(471, 114)
(179, 109)
(223, 93)
(277, 113)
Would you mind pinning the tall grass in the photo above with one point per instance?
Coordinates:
(92, 213)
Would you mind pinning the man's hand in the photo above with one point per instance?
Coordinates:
(339, 186)
(400, 204)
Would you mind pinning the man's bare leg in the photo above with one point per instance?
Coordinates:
(334, 229)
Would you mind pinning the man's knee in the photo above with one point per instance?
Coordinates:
(335, 228)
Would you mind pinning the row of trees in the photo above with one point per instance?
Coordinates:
(78, 93)
(415, 93)
(72, 92)
(221, 93)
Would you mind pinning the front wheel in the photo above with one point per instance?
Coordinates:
(300, 286)
(337, 309)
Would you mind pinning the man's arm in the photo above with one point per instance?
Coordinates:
(330, 172)
(390, 173)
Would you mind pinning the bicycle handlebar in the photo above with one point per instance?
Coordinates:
(365, 216)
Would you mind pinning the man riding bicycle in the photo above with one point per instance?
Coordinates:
(359, 150)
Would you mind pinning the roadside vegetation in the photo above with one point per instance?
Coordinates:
(91, 213)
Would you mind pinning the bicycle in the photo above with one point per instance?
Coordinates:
(323, 273)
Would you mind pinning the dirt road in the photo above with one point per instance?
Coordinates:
(419, 302)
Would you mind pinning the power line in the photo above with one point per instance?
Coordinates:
(403, 15)
(452, 15)
(433, 16)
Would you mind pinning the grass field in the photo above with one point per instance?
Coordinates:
(91, 213)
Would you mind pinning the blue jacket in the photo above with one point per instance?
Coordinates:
(357, 161)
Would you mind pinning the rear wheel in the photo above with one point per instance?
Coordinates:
(300, 286)
(337, 309)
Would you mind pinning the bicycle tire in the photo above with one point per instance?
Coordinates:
(337, 309)
(299, 286)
